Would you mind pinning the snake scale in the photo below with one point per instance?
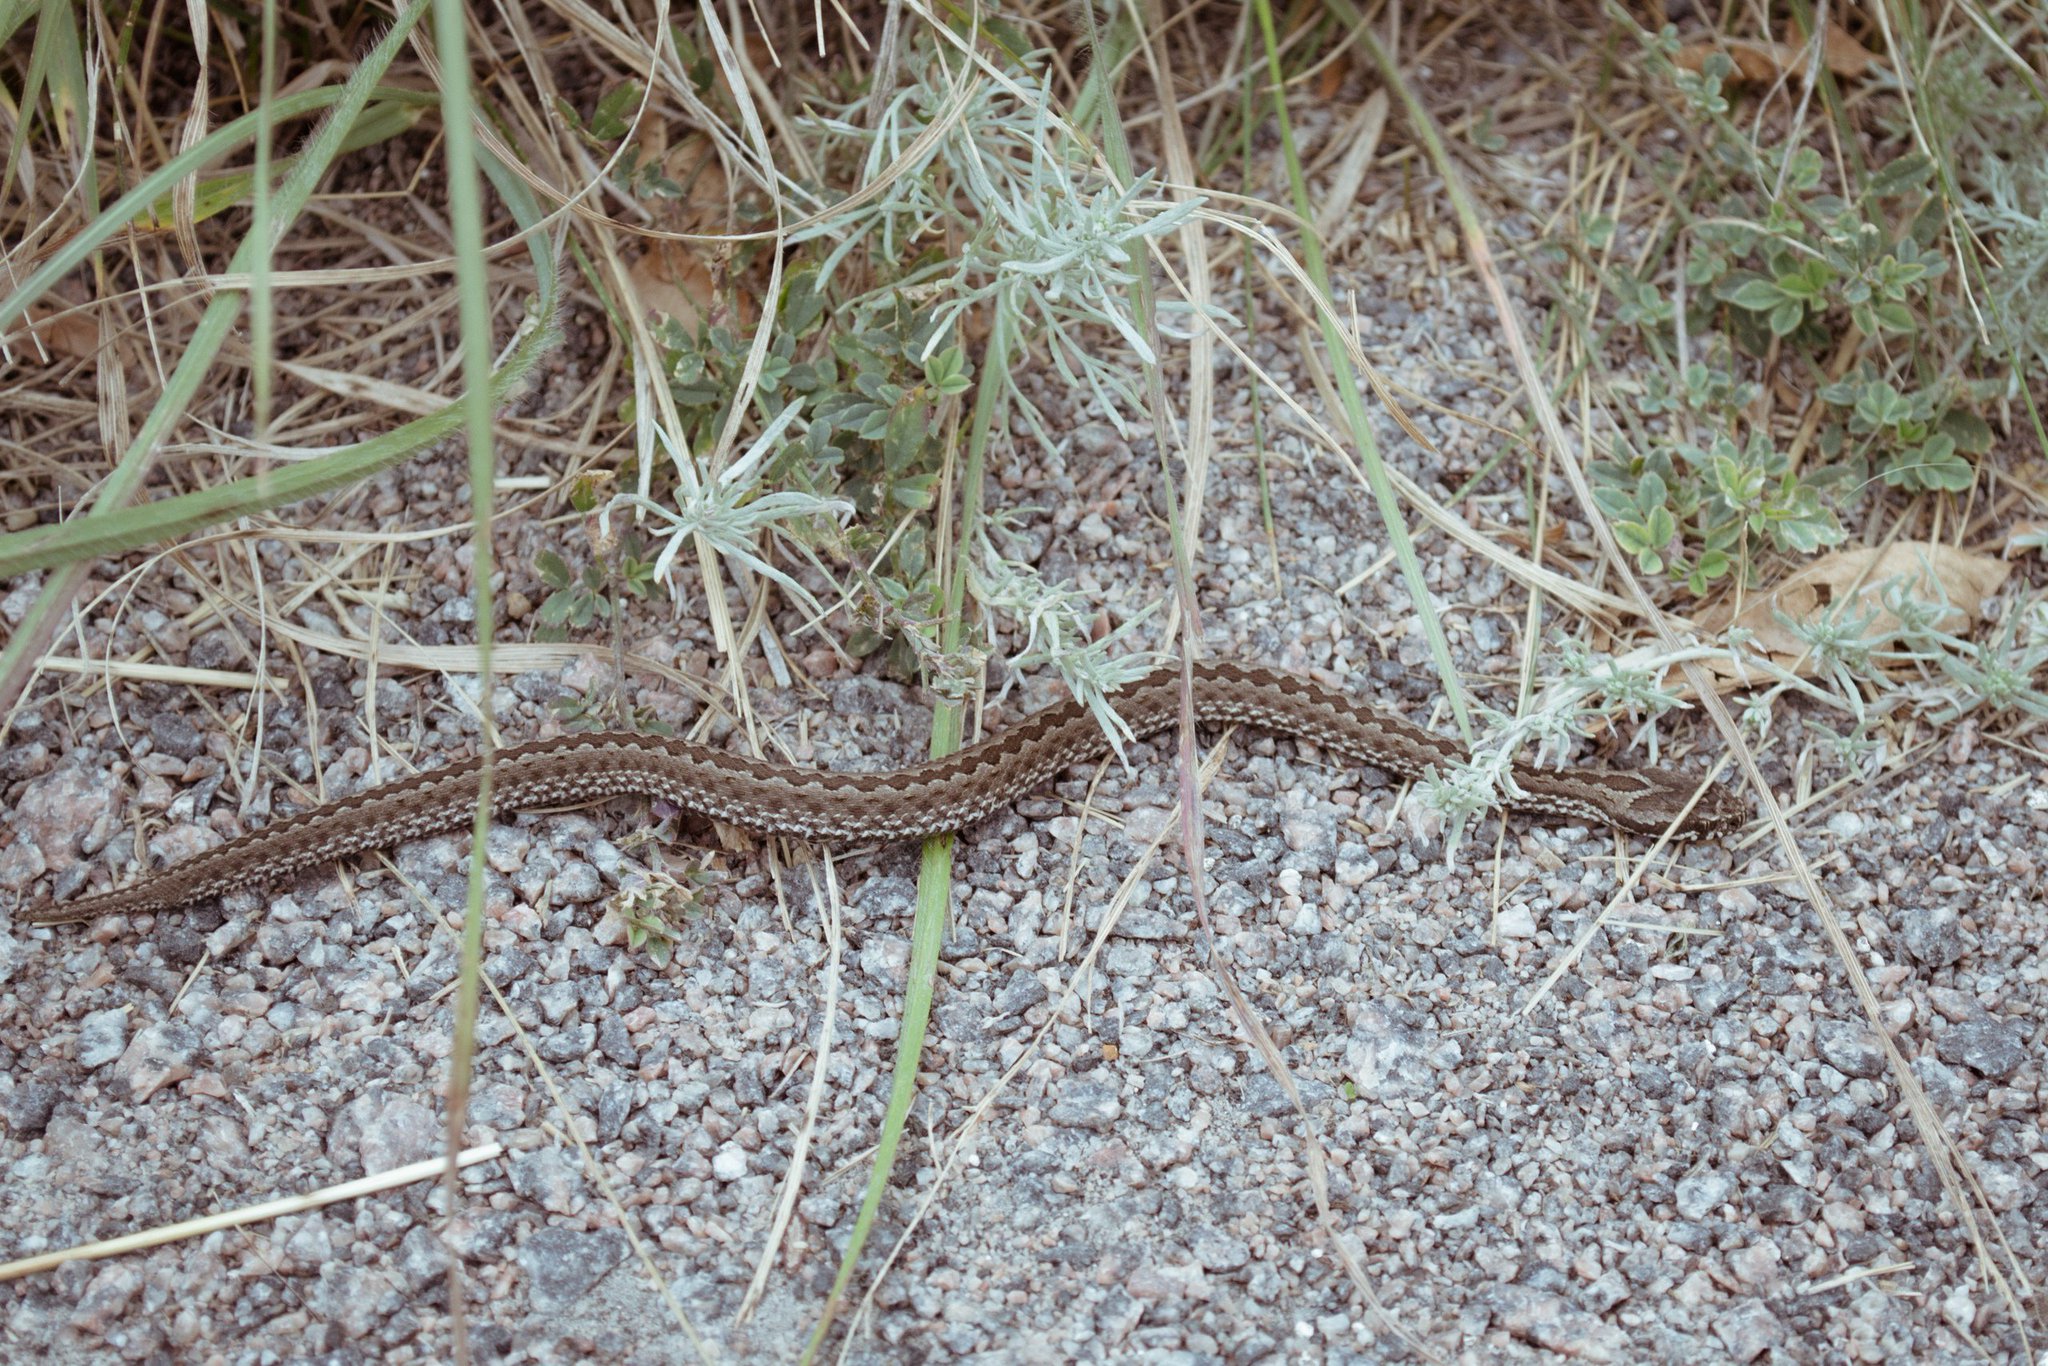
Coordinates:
(925, 799)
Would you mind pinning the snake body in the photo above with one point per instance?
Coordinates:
(925, 799)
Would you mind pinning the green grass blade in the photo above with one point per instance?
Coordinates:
(130, 528)
(1345, 380)
(935, 871)
(207, 336)
(139, 204)
(466, 224)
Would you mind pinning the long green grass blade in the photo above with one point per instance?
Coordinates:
(207, 336)
(935, 871)
(139, 204)
(1345, 381)
(466, 223)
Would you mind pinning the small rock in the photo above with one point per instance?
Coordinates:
(550, 1177)
(1218, 1251)
(1266, 1098)
(729, 1163)
(55, 811)
(576, 1042)
(1087, 1105)
(1023, 991)
(422, 1261)
(102, 1037)
(27, 1108)
(214, 650)
(506, 847)
(1989, 1047)
(1932, 935)
(576, 881)
(616, 1043)
(173, 734)
(562, 1265)
(1748, 1330)
(158, 1056)
(397, 1131)
(558, 999)
(105, 1299)
(1787, 1204)
(1700, 1194)
(1515, 921)
(1945, 1087)
(355, 1299)
(1849, 1048)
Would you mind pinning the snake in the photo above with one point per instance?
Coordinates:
(937, 797)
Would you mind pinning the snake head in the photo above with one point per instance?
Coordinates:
(1719, 810)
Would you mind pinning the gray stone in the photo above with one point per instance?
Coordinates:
(616, 1043)
(1787, 1204)
(1991, 1048)
(1700, 1194)
(422, 1260)
(562, 1265)
(558, 999)
(576, 881)
(1932, 935)
(1748, 1330)
(1087, 1105)
(550, 1177)
(102, 1036)
(354, 1299)
(1849, 1048)
(157, 1057)
(214, 650)
(1218, 1251)
(173, 734)
(28, 1106)
(571, 1044)
(1266, 1098)
(1946, 1089)
(1022, 992)
(396, 1131)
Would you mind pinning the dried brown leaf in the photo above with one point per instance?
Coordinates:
(1758, 61)
(670, 280)
(1935, 572)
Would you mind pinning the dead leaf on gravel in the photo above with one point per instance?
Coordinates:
(676, 278)
(1936, 572)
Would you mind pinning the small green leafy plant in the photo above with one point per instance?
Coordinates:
(1782, 270)
(579, 598)
(657, 914)
(1700, 512)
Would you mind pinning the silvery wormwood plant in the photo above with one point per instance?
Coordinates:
(731, 511)
(1050, 244)
(1560, 715)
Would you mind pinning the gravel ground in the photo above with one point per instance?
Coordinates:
(1690, 1151)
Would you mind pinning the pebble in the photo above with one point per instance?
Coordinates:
(102, 1037)
(158, 1056)
(562, 1265)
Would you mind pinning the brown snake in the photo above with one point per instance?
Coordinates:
(911, 803)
